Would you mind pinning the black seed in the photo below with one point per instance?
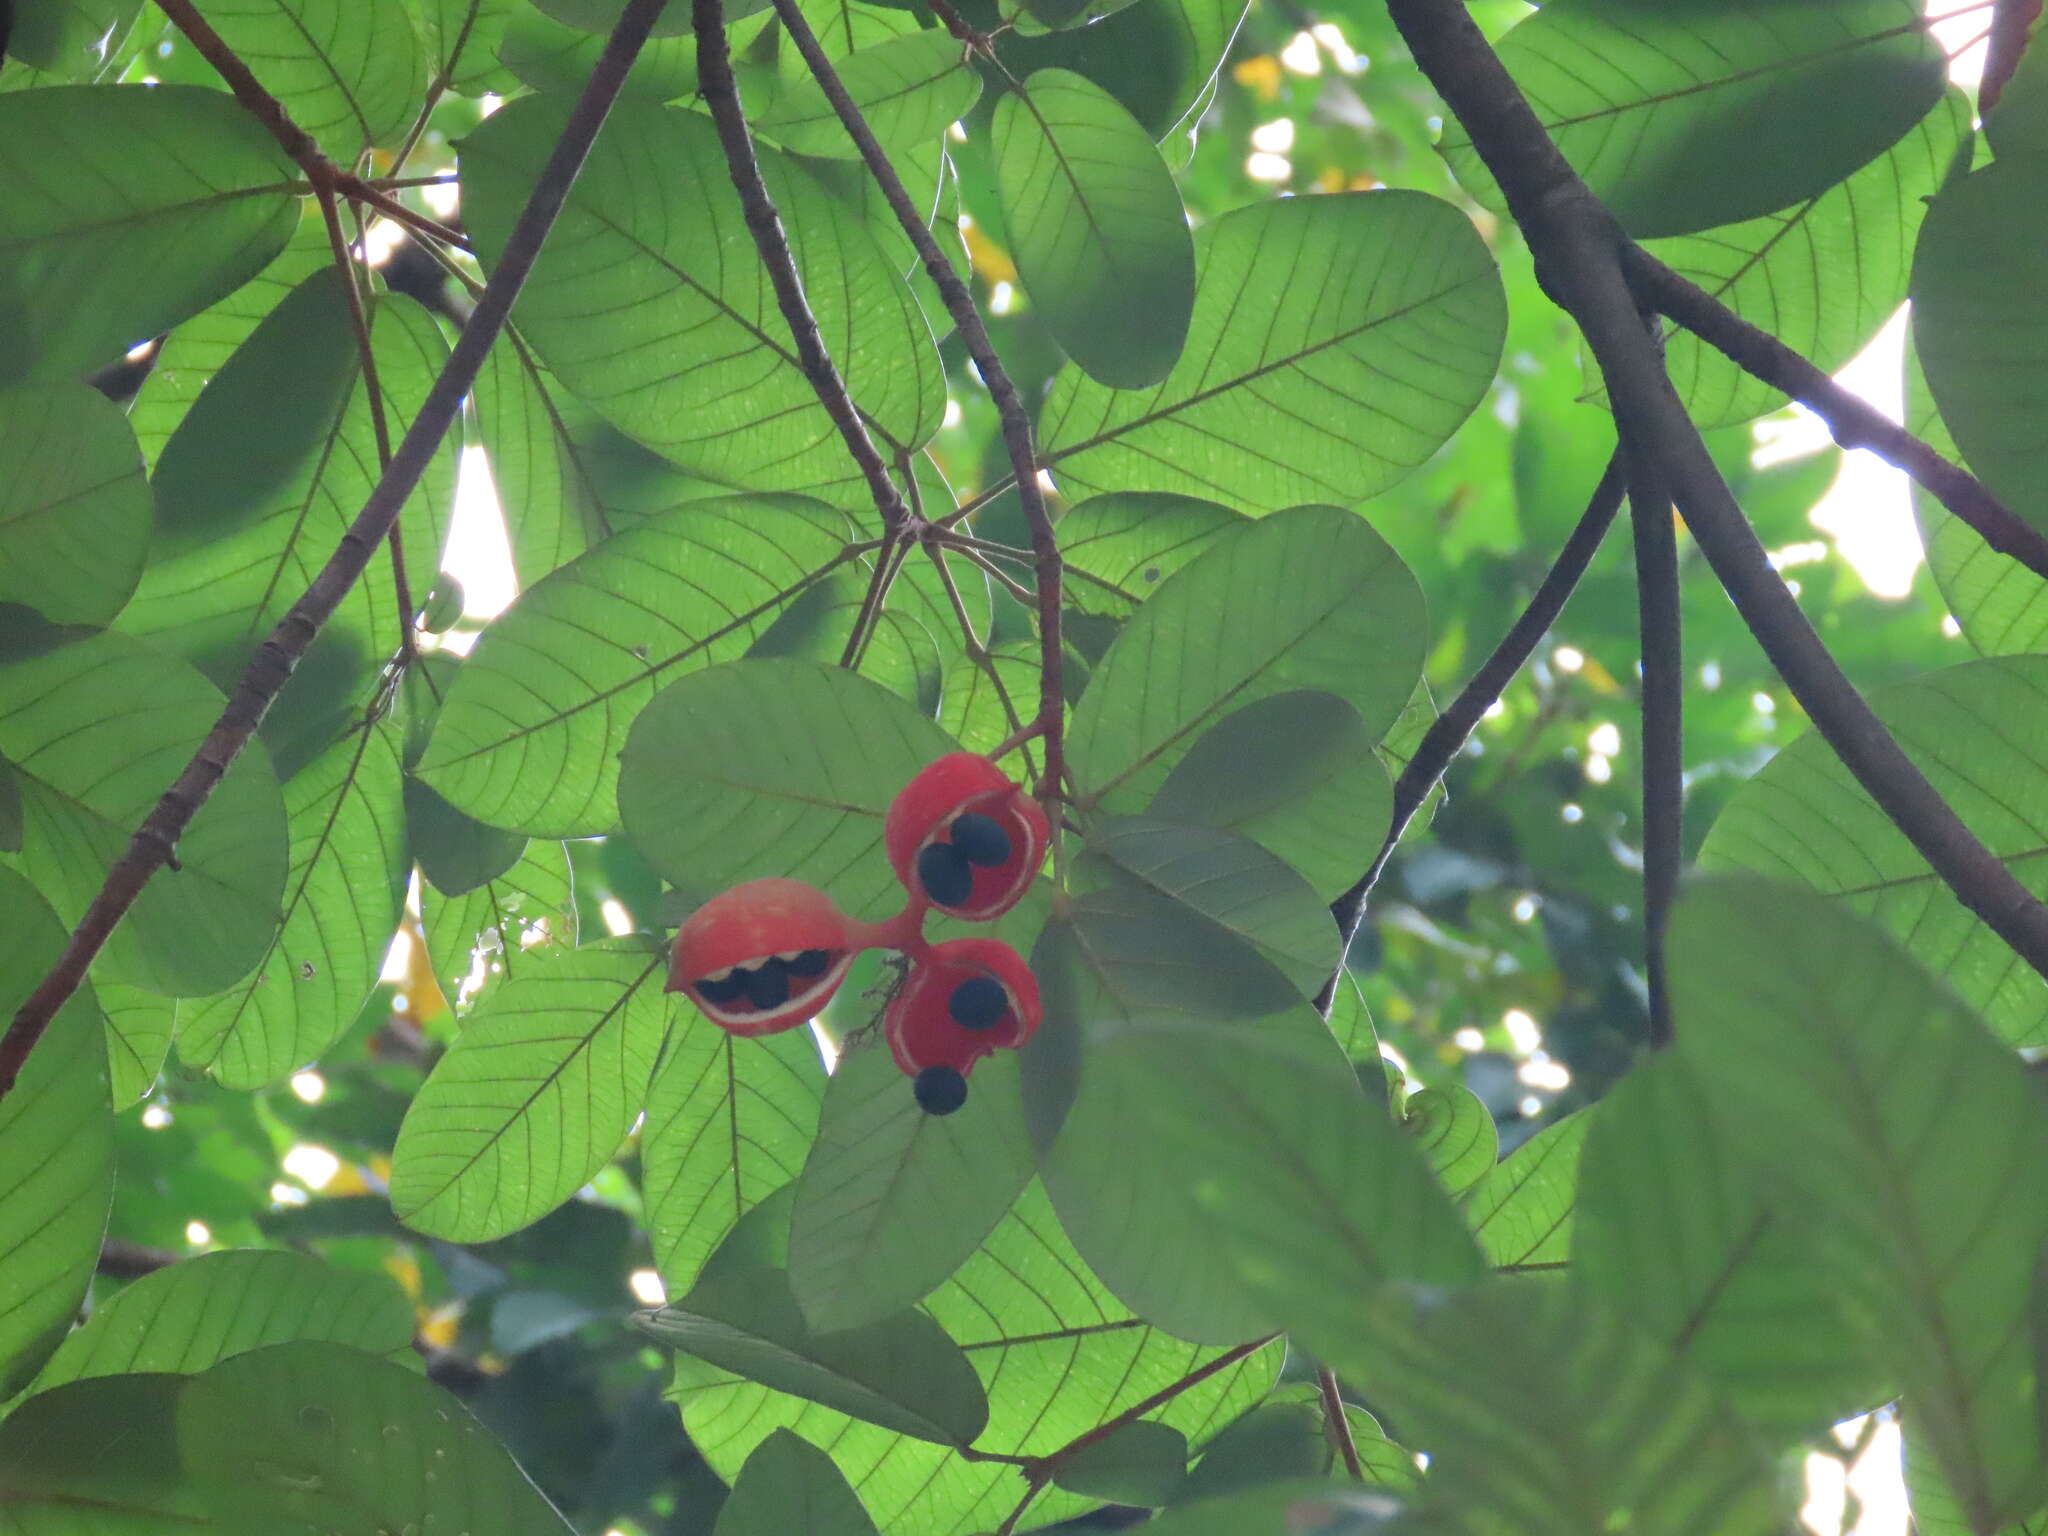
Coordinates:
(944, 873)
(978, 1003)
(768, 984)
(980, 839)
(940, 1090)
(811, 962)
(725, 991)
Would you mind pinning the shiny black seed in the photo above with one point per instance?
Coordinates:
(768, 984)
(725, 991)
(980, 839)
(944, 873)
(811, 962)
(940, 1090)
(978, 1003)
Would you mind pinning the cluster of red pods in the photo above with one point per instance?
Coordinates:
(768, 955)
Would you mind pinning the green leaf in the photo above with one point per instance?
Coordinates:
(70, 39)
(348, 72)
(197, 349)
(95, 731)
(791, 1488)
(1980, 320)
(1772, 270)
(1522, 1210)
(257, 548)
(456, 853)
(901, 1373)
(1142, 1464)
(1936, 1510)
(1903, 1141)
(1455, 1133)
(279, 1437)
(729, 1122)
(1058, 1354)
(534, 1097)
(74, 507)
(1234, 883)
(773, 768)
(56, 1147)
(1157, 57)
(171, 197)
(1975, 731)
(1294, 772)
(1335, 1510)
(638, 306)
(1541, 1411)
(530, 734)
(892, 1200)
(550, 55)
(344, 898)
(909, 90)
(1677, 1229)
(1123, 545)
(1337, 342)
(503, 923)
(139, 1029)
(2018, 123)
(1353, 624)
(1693, 113)
(601, 16)
(460, 39)
(63, 1474)
(1096, 227)
(203, 1310)
(1284, 1438)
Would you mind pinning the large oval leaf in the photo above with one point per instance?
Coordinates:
(1979, 731)
(344, 898)
(892, 1200)
(649, 303)
(123, 209)
(1980, 323)
(1336, 343)
(773, 768)
(1352, 624)
(349, 72)
(909, 89)
(278, 1437)
(1686, 114)
(56, 1147)
(95, 731)
(74, 508)
(1096, 227)
(530, 735)
(788, 1485)
(534, 1097)
(197, 1313)
(1905, 1144)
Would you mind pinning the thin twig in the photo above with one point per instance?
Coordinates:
(880, 579)
(358, 190)
(156, 840)
(1853, 422)
(721, 95)
(1447, 734)
(1337, 1423)
(1578, 250)
(970, 642)
(1016, 421)
(1656, 551)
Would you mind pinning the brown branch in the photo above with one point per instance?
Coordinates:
(1337, 1423)
(361, 191)
(248, 90)
(1663, 709)
(1854, 423)
(2012, 24)
(1016, 421)
(156, 840)
(1447, 734)
(1578, 250)
(721, 95)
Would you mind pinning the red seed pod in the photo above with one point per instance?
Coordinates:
(965, 999)
(965, 838)
(764, 956)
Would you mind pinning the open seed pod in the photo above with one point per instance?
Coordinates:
(764, 956)
(964, 837)
(963, 1000)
